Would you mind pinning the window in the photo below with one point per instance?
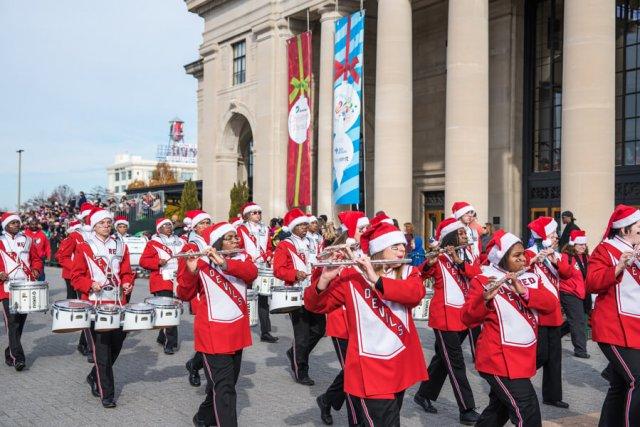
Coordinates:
(117, 176)
(239, 62)
(627, 83)
(117, 189)
(186, 176)
(129, 175)
(547, 103)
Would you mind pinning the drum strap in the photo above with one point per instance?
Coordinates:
(227, 287)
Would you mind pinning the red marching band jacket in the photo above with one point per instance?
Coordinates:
(221, 325)
(100, 261)
(254, 239)
(449, 292)
(550, 279)
(157, 248)
(507, 343)
(384, 354)
(337, 319)
(571, 280)
(615, 318)
(65, 252)
(18, 257)
(288, 258)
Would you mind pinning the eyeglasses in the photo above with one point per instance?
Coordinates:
(230, 238)
(257, 212)
(397, 247)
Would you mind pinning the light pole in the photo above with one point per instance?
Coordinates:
(19, 175)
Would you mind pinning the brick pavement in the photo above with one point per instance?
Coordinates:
(152, 388)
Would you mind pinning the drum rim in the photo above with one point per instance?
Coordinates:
(29, 285)
(287, 288)
(176, 303)
(87, 305)
(116, 309)
(130, 309)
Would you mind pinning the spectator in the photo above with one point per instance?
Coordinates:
(329, 233)
(82, 199)
(41, 242)
(408, 234)
(417, 255)
(569, 225)
(487, 235)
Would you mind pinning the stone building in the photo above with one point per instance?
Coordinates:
(523, 108)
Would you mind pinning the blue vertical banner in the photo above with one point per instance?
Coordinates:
(347, 108)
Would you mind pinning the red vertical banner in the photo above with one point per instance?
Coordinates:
(299, 123)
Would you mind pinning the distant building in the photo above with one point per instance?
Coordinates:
(127, 168)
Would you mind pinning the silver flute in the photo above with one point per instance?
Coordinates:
(331, 249)
(341, 263)
(437, 252)
(495, 284)
(204, 253)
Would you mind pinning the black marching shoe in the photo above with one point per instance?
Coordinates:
(169, 350)
(83, 350)
(268, 338)
(198, 422)
(425, 404)
(194, 376)
(90, 358)
(305, 381)
(582, 355)
(556, 403)
(325, 410)
(469, 418)
(109, 402)
(94, 386)
(8, 362)
(19, 365)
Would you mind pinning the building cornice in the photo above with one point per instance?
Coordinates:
(195, 68)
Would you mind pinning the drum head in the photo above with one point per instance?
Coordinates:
(139, 307)
(164, 302)
(71, 304)
(108, 308)
(27, 284)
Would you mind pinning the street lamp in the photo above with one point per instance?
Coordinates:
(19, 175)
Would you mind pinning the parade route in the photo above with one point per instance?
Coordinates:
(152, 388)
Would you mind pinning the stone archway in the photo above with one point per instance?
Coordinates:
(238, 139)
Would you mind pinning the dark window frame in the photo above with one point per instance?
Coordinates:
(239, 50)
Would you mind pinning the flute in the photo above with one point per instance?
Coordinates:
(331, 249)
(437, 252)
(205, 253)
(493, 285)
(354, 262)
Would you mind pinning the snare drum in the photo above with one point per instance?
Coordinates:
(71, 315)
(285, 299)
(252, 304)
(167, 311)
(266, 281)
(107, 317)
(138, 317)
(28, 297)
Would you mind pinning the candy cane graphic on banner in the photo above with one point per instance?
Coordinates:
(347, 107)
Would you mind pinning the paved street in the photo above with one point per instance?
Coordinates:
(152, 388)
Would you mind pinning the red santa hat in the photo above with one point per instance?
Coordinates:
(447, 226)
(380, 236)
(621, 217)
(97, 215)
(248, 208)
(214, 232)
(192, 218)
(381, 217)
(577, 237)
(460, 208)
(312, 218)
(120, 219)
(160, 222)
(352, 220)
(85, 210)
(542, 227)
(294, 217)
(499, 245)
(236, 221)
(74, 225)
(8, 217)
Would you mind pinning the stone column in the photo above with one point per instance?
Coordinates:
(393, 161)
(467, 110)
(325, 114)
(588, 113)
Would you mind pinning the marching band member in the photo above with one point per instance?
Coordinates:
(451, 271)
(572, 268)
(543, 260)
(196, 221)
(221, 327)
(41, 243)
(64, 254)
(384, 356)
(290, 264)
(506, 348)
(254, 238)
(614, 275)
(19, 261)
(156, 258)
(466, 214)
(315, 240)
(102, 273)
(354, 223)
(121, 226)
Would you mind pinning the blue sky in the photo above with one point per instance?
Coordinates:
(83, 80)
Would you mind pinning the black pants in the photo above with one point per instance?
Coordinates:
(71, 293)
(197, 361)
(335, 394)
(14, 324)
(263, 314)
(168, 336)
(83, 342)
(513, 400)
(106, 348)
(449, 361)
(574, 310)
(219, 406)
(308, 328)
(474, 333)
(549, 358)
(621, 406)
(380, 412)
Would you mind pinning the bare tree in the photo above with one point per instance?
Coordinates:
(62, 194)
